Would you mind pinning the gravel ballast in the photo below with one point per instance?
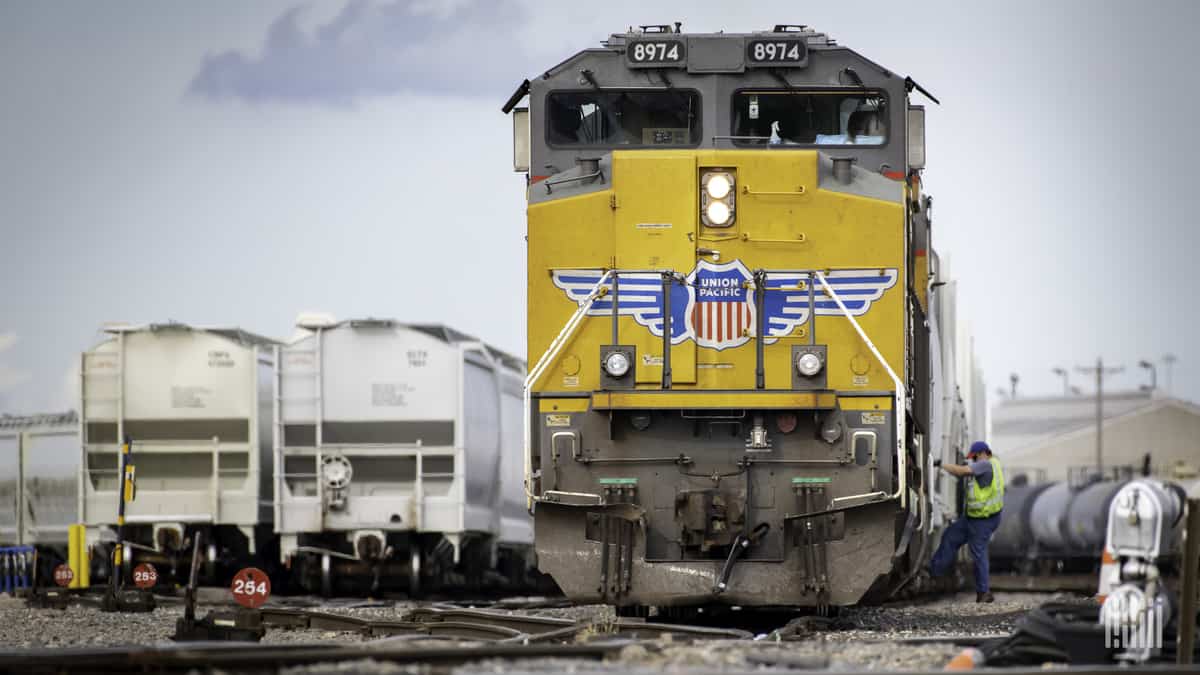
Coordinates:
(860, 637)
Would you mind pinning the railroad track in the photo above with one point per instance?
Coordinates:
(257, 658)
(244, 657)
(444, 637)
(471, 634)
(489, 625)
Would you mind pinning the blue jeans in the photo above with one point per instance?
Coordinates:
(975, 533)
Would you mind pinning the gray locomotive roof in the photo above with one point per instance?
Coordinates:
(815, 41)
(228, 332)
(814, 38)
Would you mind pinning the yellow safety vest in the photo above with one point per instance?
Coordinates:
(986, 501)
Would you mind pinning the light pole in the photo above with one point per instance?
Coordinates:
(1153, 375)
(1062, 372)
(1169, 361)
(1100, 371)
(1014, 379)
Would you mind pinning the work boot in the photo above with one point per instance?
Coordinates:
(985, 597)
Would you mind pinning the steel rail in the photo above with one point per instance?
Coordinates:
(192, 657)
(206, 657)
(485, 625)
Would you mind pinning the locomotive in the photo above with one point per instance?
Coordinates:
(740, 374)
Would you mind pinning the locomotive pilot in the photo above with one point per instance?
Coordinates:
(985, 500)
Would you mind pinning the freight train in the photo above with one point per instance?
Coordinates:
(741, 382)
(361, 455)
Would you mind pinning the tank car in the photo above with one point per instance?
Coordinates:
(728, 300)
(398, 456)
(196, 404)
(1052, 528)
(1013, 545)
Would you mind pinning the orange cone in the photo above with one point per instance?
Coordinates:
(967, 659)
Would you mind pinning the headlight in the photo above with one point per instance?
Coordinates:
(808, 364)
(718, 186)
(717, 212)
(616, 364)
(717, 197)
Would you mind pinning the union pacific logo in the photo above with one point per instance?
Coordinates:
(716, 305)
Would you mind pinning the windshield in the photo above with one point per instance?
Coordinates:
(608, 118)
(809, 118)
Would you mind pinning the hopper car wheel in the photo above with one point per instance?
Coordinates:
(326, 576)
(210, 562)
(414, 569)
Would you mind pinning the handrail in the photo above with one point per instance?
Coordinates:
(899, 393)
(799, 191)
(535, 374)
(568, 331)
(598, 173)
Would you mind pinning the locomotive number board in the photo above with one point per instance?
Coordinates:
(664, 53)
(784, 51)
(776, 52)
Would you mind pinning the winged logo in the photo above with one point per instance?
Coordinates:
(640, 295)
(716, 305)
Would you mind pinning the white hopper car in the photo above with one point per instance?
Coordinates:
(398, 457)
(196, 403)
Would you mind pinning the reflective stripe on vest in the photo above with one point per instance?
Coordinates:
(986, 501)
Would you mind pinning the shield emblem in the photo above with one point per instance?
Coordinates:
(721, 314)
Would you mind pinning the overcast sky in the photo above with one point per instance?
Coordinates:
(236, 163)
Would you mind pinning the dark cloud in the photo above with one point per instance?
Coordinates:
(374, 49)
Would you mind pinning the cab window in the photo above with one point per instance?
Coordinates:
(623, 118)
(810, 118)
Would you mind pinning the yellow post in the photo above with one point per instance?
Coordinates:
(77, 555)
(73, 554)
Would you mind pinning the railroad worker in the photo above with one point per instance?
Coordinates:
(985, 500)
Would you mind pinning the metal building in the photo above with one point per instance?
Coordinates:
(196, 402)
(398, 451)
(1054, 438)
